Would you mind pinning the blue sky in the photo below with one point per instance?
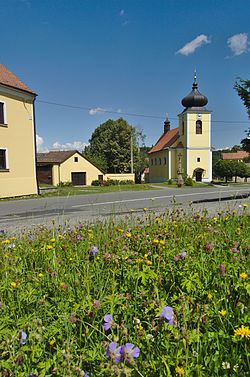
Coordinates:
(109, 57)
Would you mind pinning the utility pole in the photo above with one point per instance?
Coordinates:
(131, 154)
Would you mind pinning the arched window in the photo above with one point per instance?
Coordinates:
(199, 127)
(183, 127)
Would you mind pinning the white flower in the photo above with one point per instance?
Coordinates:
(226, 365)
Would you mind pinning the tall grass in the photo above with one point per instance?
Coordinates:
(58, 285)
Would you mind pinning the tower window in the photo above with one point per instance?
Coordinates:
(198, 127)
(198, 159)
(183, 127)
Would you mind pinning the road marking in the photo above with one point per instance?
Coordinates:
(156, 197)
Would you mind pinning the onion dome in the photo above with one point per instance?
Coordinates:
(194, 98)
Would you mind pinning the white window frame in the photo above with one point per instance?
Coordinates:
(6, 158)
(4, 114)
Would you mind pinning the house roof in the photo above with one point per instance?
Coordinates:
(55, 157)
(166, 140)
(9, 79)
(235, 156)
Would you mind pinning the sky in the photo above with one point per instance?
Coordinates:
(94, 60)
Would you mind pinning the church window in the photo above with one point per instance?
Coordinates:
(183, 127)
(159, 161)
(165, 161)
(198, 127)
(198, 159)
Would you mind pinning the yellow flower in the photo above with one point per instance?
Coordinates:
(52, 342)
(243, 275)
(13, 284)
(145, 209)
(209, 296)
(245, 205)
(155, 241)
(149, 263)
(5, 242)
(120, 230)
(215, 219)
(162, 242)
(145, 256)
(243, 331)
(40, 275)
(179, 371)
(49, 247)
(223, 312)
(128, 235)
(52, 240)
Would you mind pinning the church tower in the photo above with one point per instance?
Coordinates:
(195, 136)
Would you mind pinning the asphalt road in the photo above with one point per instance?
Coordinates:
(17, 215)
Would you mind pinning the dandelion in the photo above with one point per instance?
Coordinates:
(243, 332)
(167, 314)
(114, 352)
(223, 312)
(179, 371)
(49, 247)
(243, 275)
(145, 209)
(40, 275)
(22, 337)
(149, 262)
(155, 241)
(128, 235)
(109, 322)
(13, 284)
(209, 296)
(129, 352)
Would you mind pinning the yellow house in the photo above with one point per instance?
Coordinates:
(17, 137)
(66, 166)
(187, 148)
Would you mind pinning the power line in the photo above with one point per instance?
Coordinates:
(101, 110)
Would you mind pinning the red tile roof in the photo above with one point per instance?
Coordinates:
(235, 156)
(166, 140)
(8, 78)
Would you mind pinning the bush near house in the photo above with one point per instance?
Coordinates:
(162, 296)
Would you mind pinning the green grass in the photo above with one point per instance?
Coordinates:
(57, 291)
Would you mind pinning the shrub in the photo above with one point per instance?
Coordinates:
(188, 181)
(65, 184)
(96, 182)
(170, 182)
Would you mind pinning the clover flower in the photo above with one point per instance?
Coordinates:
(129, 352)
(222, 269)
(22, 337)
(114, 352)
(109, 322)
(167, 314)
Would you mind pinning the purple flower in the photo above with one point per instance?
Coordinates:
(183, 255)
(167, 314)
(130, 352)
(22, 337)
(114, 352)
(108, 319)
(32, 375)
(79, 237)
(222, 269)
(86, 374)
(93, 250)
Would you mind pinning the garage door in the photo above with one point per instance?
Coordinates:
(44, 174)
(78, 179)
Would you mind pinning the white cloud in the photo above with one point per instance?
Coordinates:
(68, 146)
(190, 47)
(39, 144)
(238, 43)
(122, 12)
(96, 110)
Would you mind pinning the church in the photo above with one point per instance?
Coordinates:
(184, 150)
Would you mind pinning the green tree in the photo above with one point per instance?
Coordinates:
(110, 146)
(243, 89)
(228, 169)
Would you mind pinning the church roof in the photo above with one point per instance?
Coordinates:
(166, 140)
(235, 155)
(9, 79)
(194, 98)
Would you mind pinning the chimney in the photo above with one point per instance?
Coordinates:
(166, 125)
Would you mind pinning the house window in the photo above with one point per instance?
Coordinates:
(198, 159)
(2, 113)
(3, 159)
(76, 159)
(159, 161)
(155, 161)
(152, 161)
(165, 161)
(198, 127)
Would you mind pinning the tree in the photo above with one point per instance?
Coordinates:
(229, 168)
(110, 146)
(243, 89)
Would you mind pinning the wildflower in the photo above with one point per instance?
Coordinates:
(49, 247)
(64, 285)
(145, 209)
(226, 365)
(96, 303)
(209, 296)
(130, 352)
(150, 337)
(52, 240)
(11, 245)
(6, 242)
(243, 332)
(128, 235)
(167, 314)
(243, 275)
(209, 246)
(40, 275)
(179, 371)
(222, 269)
(109, 322)
(155, 240)
(93, 250)
(183, 255)
(162, 242)
(245, 205)
(86, 374)
(13, 284)
(149, 262)
(114, 352)
(22, 337)
(52, 342)
(223, 312)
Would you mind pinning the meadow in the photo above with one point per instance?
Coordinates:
(162, 295)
